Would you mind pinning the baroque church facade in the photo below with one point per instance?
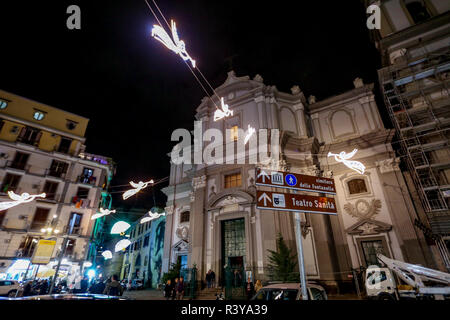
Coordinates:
(212, 219)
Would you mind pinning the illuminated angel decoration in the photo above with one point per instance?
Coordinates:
(152, 216)
(249, 133)
(344, 158)
(23, 198)
(103, 212)
(176, 45)
(137, 187)
(225, 112)
(107, 254)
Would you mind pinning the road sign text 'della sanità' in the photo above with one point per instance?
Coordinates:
(295, 202)
(294, 181)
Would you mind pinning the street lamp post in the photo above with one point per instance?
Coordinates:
(60, 257)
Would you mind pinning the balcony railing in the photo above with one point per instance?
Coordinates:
(73, 230)
(87, 180)
(55, 174)
(17, 165)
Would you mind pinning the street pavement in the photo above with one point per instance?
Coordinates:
(146, 294)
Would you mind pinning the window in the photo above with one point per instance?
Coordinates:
(71, 124)
(30, 136)
(58, 169)
(70, 248)
(26, 248)
(370, 249)
(2, 216)
(356, 186)
(38, 115)
(2, 122)
(233, 180)
(283, 294)
(417, 10)
(316, 294)
(50, 188)
(87, 176)
(82, 193)
(184, 216)
(3, 104)
(74, 225)
(146, 240)
(20, 160)
(234, 133)
(182, 259)
(10, 182)
(64, 145)
(40, 219)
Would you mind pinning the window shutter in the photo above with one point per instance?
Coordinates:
(38, 137)
(23, 132)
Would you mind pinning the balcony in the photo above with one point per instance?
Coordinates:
(89, 180)
(69, 230)
(80, 202)
(22, 166)
(55, 174)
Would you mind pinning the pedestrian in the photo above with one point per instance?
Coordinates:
(113, 288)
(258, 285)
(237, 278)
(27, 289)
(129, 285)
(168, 289)
(180, 289)
(43, 287)
(213, 279)
(249, 288)
(98, 287)
(208, 279)
(174, 289)
(84, 284)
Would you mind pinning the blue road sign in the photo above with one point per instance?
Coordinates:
(291, 180)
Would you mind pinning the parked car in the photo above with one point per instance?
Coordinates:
(290, 292)
(79, 296)
(9, 287)
(137, 284)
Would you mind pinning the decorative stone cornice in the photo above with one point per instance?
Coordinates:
(169, 210)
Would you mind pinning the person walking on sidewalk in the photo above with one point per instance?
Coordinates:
(168, 290)
(180, 289)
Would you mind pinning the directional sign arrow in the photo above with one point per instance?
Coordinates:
(264, 175)
(265, 197)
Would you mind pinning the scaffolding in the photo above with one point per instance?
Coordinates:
(416, 94)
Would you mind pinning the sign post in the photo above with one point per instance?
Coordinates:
(296, 203)
(301, 262)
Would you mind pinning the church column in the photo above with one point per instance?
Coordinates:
(196, 225)
(300, 111)
(168, 236)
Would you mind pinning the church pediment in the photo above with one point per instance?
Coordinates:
(368, 227)
(226, 199)
(181, 246)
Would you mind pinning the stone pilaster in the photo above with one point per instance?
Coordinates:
(196, 230)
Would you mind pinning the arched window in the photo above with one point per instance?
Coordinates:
(184, 216)
(356, 186)
(417, 10)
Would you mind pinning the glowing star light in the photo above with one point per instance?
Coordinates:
(103, 212)
(343, 157)
(120, 227)
(225, 112)
(107, 254)
(249, 133)
(23, 198)
(176, 45)
(151, 216)
(122, 244)
(137, 187)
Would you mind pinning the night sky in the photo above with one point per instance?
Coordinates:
(135, 92)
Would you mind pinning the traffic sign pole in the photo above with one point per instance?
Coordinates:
(301, 262)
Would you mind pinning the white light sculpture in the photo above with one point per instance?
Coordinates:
(23, 198)
(176, 45)
(103, 212)
(224, 112)
(120, 227)
(137, 187)
(107, 254)
(249, 133)
(122, 244)
(344, 158)
(151, 216)
(87, 264)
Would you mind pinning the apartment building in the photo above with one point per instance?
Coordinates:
(42, 150)
(414, 43)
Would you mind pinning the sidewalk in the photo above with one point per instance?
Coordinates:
(146, 294)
